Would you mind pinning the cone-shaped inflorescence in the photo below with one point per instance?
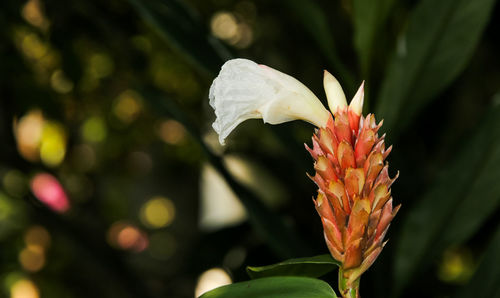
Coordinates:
(354, 197)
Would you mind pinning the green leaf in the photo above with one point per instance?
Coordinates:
(487, 278)
(465, 194)
(311, 267)
(368, 18)
(275, 287)
(440, 39)
(182, 30)
(315, 21)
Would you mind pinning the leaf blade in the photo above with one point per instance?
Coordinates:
(456, 206)
(440, 39)
(275, 287)
(309, 266)
(368, 18)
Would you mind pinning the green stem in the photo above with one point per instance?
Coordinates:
(348, 290)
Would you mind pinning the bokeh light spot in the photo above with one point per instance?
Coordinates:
(127, 106)
(14, 183)
(24, 288)
(94, 130)
(224, 25)
(235, 258)
(28, 131)
(158, 212)
(33, 47)
(101, 65)
(53, 144)
(457, 266)
(219, 206)
(126, 236)
(33, 14)
(60, 83)
(171, 132)
(5, 207)
(32, 258)
(211, 279)
(227, 27)
(50, 192)
(37, 236)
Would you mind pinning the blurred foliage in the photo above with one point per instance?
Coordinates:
(110, 99)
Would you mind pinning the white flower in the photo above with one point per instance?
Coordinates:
(245, 90)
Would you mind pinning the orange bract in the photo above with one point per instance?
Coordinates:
(354, 197)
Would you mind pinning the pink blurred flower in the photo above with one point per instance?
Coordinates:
(49, 191)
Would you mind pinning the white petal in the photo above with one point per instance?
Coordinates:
(334, 93)
(245, 90)
(356, 104)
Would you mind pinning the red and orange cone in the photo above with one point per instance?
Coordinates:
(354, 196)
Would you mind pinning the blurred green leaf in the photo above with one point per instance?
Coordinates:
(487, 278)
(465, 194)
(315, 21)
(368, 17)
(275, 287)
(440, 39)
(177, 24)
(310, 266)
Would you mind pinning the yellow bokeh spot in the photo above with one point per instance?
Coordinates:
(94, 130)
(53, 144)
(37, 236)
(101, 65)
(171, 132)
(158, 212)
(127, 106)
(24, 288)
(457, 266)
(60, 83)
(226, 26)
(32, 258)
(6, 208)
(33, 47)
(32, 12)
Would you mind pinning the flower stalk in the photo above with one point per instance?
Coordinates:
(348, 290)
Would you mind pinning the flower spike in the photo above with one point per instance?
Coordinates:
(354, 199)
(357, 185)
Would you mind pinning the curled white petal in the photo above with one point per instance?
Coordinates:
(245, 90)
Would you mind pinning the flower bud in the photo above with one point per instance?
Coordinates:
(334, 92)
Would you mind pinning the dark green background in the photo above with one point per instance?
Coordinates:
(432, 72)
